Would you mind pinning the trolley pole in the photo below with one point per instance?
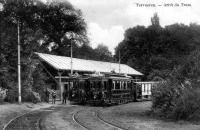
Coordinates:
(19, 63)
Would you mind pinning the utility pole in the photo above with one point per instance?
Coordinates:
(119, 63)
(1, 9)
(71, 59)
(19, 63)
(71, 36)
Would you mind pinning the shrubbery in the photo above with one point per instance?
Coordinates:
(171, 100)
(2, 94)
(12, 95)
(27, 96)
(31, 97)
(178, 97)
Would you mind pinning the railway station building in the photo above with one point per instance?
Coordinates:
(60, 68)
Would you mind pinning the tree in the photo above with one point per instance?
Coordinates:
(155, 20)
(41, 25)
(156, 50)
(103, 53)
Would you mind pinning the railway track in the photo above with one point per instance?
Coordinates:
(87, 119)
(106, 122)
(99, 123)
(75, 119)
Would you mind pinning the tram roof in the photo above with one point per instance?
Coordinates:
(64, 63)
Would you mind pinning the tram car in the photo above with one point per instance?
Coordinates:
(110, 89)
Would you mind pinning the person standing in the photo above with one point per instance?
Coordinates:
(53, 97)
(64, 97)
(47, 96)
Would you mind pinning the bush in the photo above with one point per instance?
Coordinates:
(176, 101)
(12, 95)
(31, 97)
(2, 94)
(188, 105)
(179, 97)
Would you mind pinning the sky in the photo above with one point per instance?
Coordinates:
(107, 20)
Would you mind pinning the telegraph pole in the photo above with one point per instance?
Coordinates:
(19, 63)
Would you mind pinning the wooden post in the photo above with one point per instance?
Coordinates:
(60, 85)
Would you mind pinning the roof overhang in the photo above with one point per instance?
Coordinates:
(81, 65)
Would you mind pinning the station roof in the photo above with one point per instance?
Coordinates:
(64, 63)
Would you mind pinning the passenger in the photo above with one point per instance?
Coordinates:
(64, 97)
(100, 95)
(83, 95)
(47, 96)
(53, 97)
(70, 94)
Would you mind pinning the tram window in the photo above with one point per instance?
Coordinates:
(71, 84)
(122, 85)
(75, 85)
(149, 88)
(99, 84)
(117, 86)
(143, 88)
(81, 85)
(113, 85)
(129, 85)
(105, 85)
(126, 85)
(91, 84)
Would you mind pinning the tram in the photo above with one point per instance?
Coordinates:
(108, 89)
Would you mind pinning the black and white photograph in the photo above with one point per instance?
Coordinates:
(99, 65)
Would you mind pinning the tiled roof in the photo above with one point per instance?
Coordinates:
(64, 63)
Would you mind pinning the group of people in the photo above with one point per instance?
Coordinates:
(53, 95)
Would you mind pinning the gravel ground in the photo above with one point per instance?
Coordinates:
(9, 111)
(133, 116)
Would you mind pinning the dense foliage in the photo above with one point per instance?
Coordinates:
(156, 50)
